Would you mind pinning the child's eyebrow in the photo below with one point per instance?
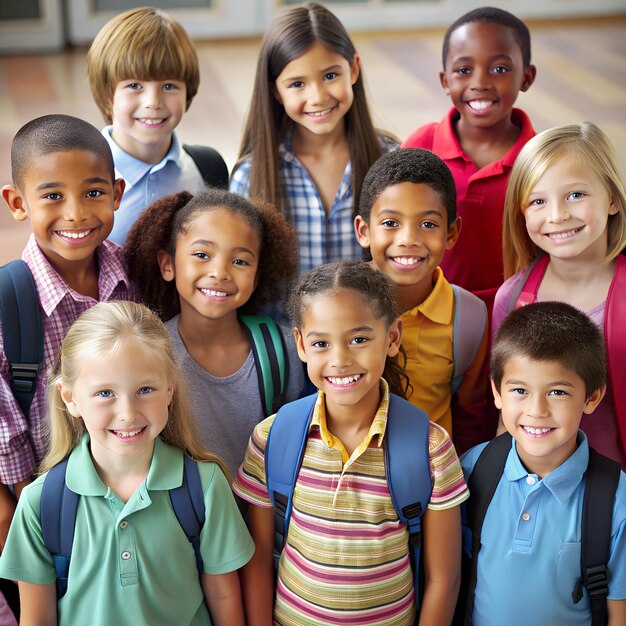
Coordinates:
(554, 383)
(207, 242)
(357, 329)
(425, 212)
(495, 57)
(94, 180)
(288, 79)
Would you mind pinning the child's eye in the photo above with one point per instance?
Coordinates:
(94, 193)
(320, 344)
(429, 225)
(201, 255)
(241, 263)
(330, 75)
(133, 86)
(298, 84)
(575, 195)
(144, 390)
(463, 70)
(500, 69)
(518, 391)
(557, 392)
(169, 87)
(536, 202)
(390, 224)
(359, 340)
(105, 393)
(54, 196)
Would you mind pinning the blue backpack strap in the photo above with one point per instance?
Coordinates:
(470, 321)
(210, 165)
(284, 450)
(188, 504)
(58, 519)
(21, 329)
(268, 348)
(407, 465)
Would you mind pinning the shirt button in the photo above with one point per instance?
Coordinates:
(126, 555)
(123, 524)
(531, 480)
(525, 516)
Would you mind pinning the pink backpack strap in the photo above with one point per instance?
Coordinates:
(534, 277)
(615, 337)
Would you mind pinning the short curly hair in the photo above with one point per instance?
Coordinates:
(161, 224)
(408, 165)
(492, 15)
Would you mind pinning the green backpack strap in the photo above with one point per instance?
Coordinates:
(270, 358)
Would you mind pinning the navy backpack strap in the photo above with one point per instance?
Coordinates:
(468, 329)
(21, 329)
(407, 465)
(482, 485)
(210, 164)
(284, 450)
(188, 504)
(58, 519)
(603, 476)
(269, 350)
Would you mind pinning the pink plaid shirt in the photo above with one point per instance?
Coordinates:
(60, 306)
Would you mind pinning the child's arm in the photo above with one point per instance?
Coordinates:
(223, 597)
(442, 565)
(257, 576)
(38, 604)
(617, 612)
(7, 507)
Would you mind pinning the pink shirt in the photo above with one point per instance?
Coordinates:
(21, 441)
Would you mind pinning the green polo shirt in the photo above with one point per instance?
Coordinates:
(131, 562)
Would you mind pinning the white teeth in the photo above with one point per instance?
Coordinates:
(127, 433)
(72, 234)
(480, 105)
(151, 121)
(407, 260)
(319, 113)
(344, 380)
(564, 235)
(536, 431)
(212, 292)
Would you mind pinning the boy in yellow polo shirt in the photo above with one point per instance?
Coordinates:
(407, 218)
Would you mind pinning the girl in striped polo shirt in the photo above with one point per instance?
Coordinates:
(346, 558)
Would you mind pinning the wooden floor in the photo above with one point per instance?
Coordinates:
(581, 76)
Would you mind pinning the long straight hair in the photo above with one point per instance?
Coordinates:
(288, 37)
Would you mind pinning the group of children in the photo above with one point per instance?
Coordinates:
(470, 219)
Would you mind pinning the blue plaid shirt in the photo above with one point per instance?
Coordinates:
(322, 238)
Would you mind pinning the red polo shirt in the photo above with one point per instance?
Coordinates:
(475, 262)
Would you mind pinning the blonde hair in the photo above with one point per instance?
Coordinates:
(107, 329)
(584, 142)
(143, 43)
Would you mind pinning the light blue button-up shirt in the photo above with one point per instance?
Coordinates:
(529, 561)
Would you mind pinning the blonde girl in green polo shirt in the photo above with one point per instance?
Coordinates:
(119, 410)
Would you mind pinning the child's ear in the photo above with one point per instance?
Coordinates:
(362, 229)
(68, 399)
(593, 400)
(118, 191)
(530, 73)
(497, 399)
(395, 337)
(276, 94)
(15, 202)
(297, 335)
(454, 231)
(443, 79)
(166, 265)
(355, 69)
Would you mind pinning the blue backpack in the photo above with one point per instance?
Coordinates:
(58, 515)
(406, 463)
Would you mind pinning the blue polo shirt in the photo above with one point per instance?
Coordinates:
(146, 182)
(529, 561)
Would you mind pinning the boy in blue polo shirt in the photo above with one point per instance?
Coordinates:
(548, 368)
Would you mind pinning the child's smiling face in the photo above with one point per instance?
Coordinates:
(484, 73)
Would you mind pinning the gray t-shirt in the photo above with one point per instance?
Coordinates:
(229, 407)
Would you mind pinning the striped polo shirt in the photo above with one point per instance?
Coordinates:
(346, 559)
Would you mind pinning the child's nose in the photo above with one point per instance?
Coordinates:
(317, 93)
(480, 78)
(340, 357)
(74, 210)
(537, 406)
(126, 409)
(558, 213)
(152, 97)
(219, 269)
(408, 235)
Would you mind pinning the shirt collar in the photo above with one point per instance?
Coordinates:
(166, 469)
(377, 428)
(439, 305)
(52, 287)
(132, 170)
(562, 481)
(446, 144)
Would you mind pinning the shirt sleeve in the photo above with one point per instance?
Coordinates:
(502, 303)
(225, 543)
(617, 559)
(250, 480)
(240, 179)
(25, 556)
(421, 137)
(449, 488)
(17, 457)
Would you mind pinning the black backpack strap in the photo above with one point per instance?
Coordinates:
(597, 516)
(58, 507)
(211, 165)
(482, 484)
(21, 329)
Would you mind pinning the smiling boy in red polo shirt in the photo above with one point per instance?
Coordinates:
(486, 60)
